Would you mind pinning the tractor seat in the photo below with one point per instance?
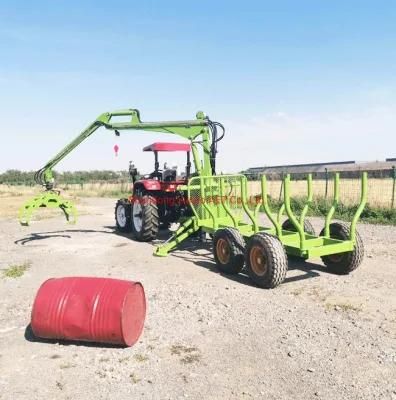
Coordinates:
(156, 175)
(170, 174)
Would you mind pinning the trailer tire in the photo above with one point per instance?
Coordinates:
(122, 213)
(228, 250)
(266, 260)
(343, 263)
(144, 218)
(308, 227)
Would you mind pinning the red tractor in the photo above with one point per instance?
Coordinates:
(157, 199)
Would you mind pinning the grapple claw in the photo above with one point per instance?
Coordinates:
(51, 199)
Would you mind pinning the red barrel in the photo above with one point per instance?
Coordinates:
(90, 309)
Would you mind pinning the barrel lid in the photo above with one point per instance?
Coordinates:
(133, 313)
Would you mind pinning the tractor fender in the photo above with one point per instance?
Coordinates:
(148, 184)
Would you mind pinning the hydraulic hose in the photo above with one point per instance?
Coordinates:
(213, 125)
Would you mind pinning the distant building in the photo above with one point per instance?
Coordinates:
(311, 167)
(350, 168)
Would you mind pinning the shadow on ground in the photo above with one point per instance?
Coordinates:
(193, 250)
(31, 237)
(31, 337)
(200, 253)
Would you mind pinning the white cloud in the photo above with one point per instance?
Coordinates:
(267, 139)
(280, 138)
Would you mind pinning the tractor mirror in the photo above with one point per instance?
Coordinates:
(133, 172)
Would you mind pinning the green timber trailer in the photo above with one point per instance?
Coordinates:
(222, 207)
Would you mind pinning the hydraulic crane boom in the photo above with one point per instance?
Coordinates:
(201, 127)
(189, 129)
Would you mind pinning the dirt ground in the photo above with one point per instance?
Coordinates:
(207, 335)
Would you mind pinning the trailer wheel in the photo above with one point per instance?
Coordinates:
(266, 260)
(228, 250)
(145, 218)
(122, 214)
(343, 263)
(308, 228)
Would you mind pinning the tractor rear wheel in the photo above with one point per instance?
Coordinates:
(343, 263)
(228, 250)
(266, 260)
(123, 215)
(145, 218)
(308, 228)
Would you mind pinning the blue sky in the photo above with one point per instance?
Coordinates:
(292, 81)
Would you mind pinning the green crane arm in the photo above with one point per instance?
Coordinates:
(189, 129)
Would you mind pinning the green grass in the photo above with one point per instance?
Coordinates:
(110, 193)
(320, 207)
(16, 270)
(140, 357)
(189, 355)
(117, 194)
(134, 378)
(344, 306)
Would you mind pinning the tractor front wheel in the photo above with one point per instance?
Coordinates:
(123, 215)
(145, 218)
(344, 263)
(266, 260)
(228, 250)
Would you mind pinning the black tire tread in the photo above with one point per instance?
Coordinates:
(150, 218)
(351, 260)
(127, 205)
(308, 227)
(276, 255)
(237, 247)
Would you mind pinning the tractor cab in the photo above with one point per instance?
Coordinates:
(169, 173)
(158, 197)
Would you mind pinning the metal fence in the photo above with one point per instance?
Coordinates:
(381, 186)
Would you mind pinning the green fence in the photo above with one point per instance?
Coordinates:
(381, 187)
(381, 203)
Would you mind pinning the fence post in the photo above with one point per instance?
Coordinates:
(327, 182)
(393, 186)
(281, 188)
